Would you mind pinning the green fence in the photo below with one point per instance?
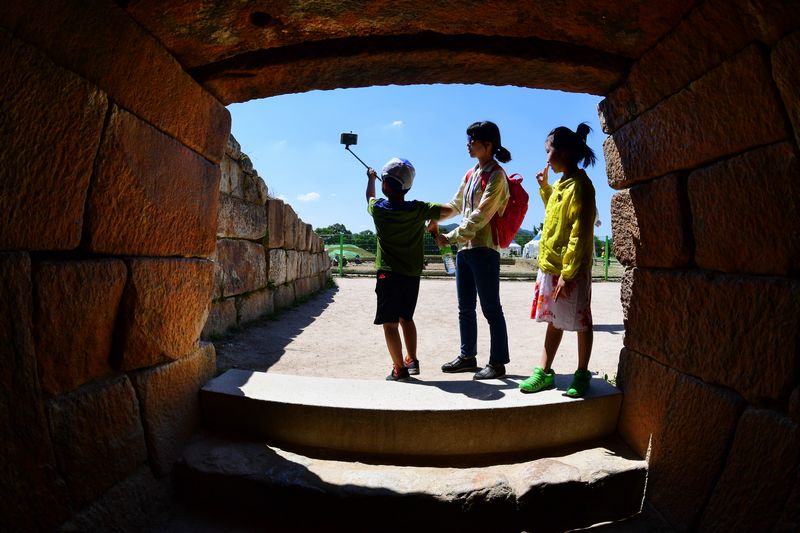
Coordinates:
(352, 253)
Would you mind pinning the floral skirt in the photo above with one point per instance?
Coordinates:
(571, 312)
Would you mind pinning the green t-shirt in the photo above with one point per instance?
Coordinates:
(400, 230)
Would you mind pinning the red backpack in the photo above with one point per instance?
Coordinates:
(505, 227)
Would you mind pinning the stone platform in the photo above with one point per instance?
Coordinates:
(417, 422)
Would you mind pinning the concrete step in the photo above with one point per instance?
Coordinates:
(240, 485)
(417, 422)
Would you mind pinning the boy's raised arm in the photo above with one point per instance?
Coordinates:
(371, 177)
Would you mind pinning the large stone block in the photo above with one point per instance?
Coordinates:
(648, 224)
(164, 308)
(292, 265)
(168, 395)
(786, 72)
(233, 148)
(275, 209)
(221, 317)
(306, 263)
(790, 518)
(759, 475)
(700, 124)
(289, 228)
(794, 405)
(254, 189)
(230, 180)
(277, 266)
(302, 287)
(244, 266)
(772, 19)
(284, 296)
(98, 437)
(100, 42)
(712, 32)
(302, 236)
(134, 504)
(696, 323)
(240, 219)
(311, 240)
(34, 498)
(76, 310)
(742, 209)
(52, 120)
(255, 305)
(151, 195)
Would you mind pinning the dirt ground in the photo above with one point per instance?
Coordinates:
(333, 335)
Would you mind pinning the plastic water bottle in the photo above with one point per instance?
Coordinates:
(448, 259)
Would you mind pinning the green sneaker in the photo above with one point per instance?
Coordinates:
(580, 383)
(539, 380)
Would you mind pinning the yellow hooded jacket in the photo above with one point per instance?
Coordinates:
(565, 246)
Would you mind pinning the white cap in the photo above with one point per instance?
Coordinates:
(401, 170)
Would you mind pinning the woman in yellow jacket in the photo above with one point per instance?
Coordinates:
(563, 292)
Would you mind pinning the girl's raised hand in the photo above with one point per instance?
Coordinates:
(541, 177)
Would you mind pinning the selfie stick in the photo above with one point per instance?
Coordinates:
(347, 147)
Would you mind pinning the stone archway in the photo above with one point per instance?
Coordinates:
(114, 129)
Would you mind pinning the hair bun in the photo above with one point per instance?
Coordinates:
(583, 130)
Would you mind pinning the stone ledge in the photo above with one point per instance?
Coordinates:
(417, 421)
(608, 480)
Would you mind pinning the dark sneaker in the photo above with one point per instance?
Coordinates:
(412, 365)
(539, 380)
(580, 384)
(402, 375)
(460, 364)
(491, 371)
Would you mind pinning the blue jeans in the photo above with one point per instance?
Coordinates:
(478, 274)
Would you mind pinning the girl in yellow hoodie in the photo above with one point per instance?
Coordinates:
(563, 292)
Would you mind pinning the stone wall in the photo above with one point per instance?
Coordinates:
(703, 146)
(108, 203)
(266, 258)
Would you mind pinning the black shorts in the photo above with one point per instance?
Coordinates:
(397, 297)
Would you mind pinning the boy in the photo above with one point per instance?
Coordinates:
(400, 226)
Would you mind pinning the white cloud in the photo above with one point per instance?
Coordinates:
(397, 123)
(308, 197)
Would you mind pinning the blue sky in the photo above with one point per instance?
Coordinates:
(293, 141)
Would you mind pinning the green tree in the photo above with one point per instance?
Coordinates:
(333, 229)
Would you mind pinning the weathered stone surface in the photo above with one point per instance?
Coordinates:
(302, 236)
(219, 276)
(34, 498)
(773, 19)
(230, 181)
(206, 32)
(310, 239)
(713, 31)
(302, 287)
(76, 309)
(275, 210)
(786, 71)
(133, 504)
(648, 224)
(790, 518)
(170, 404)
(42, 145)
(233, 149)
(289, 228)
(759, 475)
(667, 138)
(741, 213)
(98, 437)
(254, 189)
(292, 265)
(648, 386)
(255, 305)
(100, 42)
(221, 317)
(244, 266)
(277, 266)
(306, 263)
(241, 219)
(666, 319)
(151, 195)
(794, 405)
(164, 308)
(284, 296)
(402, 59)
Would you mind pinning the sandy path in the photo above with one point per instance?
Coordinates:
(333, 335)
